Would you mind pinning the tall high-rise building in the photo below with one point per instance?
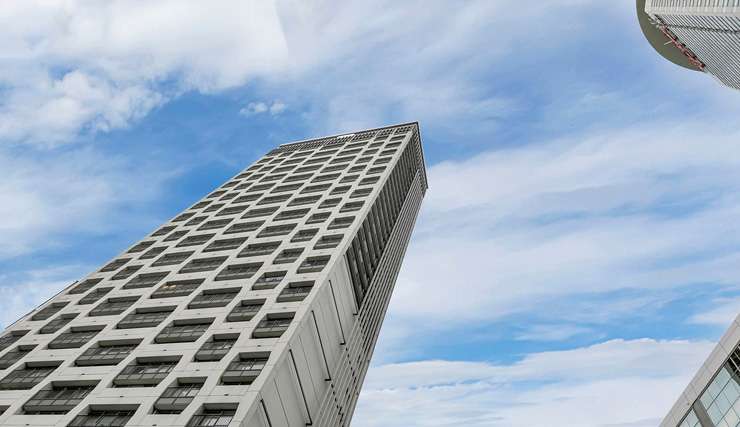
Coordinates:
(702, 35)
(712, 398)
(258, 306)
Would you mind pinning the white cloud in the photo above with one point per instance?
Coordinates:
(254, 108)
(615, 383)
(76, 192)
(722, 312)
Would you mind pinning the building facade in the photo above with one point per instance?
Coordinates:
(258, 306)
(712, 398)
(705, 32)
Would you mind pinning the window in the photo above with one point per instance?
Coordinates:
(342, 222)
(178, 396)
(318, 218)
(306, 169)
(238, 271)
(349, 178)
(295, 291)
(145, 371)
(172, 258)
(284, 188)
(107, 353)
(340, 189)
(175, 235)
(164, 230)
(115, 265)
(304, 235)
(28, 375)
(232, 210)
(145, 280)
(261, 187)
(214, 298)
(94, 295)
(243, 227)
(84, 286)
(378, 169)
(287, 256)
(113, 306)
(362, 192)
(214, 207)
(186, 330)
(327, 177)
(183, 217)
(200, 205)
(229, 196)
(313, 264)
(256, 213)
(59, 399)
(269, 280)
(273, 325)
(352, 206)
(245, 368)
(140, 246)
(305, 200)
(247, 198)
(298, 177)
(329, 203)
(202, 264)
(195, 221)
(216, 348)
(76, 337)
(153, 252)
(291, 214)
(108, 418)
(212, 417)
(126, 272)
(333, 168)
(370, 180)
(10, 338)
(58, 323)
(276, 230)
(259, 249)
(328, 242)
(316, 188)
(225, 244)
(176, 288)
(49, 310)
(195, 240)
(215, 194)
(273, 177)
(216, 223)
(145, 317)
(9, 358)
(274, 199)
(245, 310)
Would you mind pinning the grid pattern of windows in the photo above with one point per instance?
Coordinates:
(252, 251)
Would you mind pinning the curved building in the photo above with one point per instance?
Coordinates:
(700, 35)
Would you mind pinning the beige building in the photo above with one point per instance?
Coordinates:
(702, 35)
(258, 306)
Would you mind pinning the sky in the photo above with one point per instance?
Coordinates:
(578, 250)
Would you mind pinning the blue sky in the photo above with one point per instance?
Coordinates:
(578, 251)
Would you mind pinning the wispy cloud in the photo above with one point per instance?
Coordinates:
(253, 108)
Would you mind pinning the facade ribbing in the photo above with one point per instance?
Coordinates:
(258, 306)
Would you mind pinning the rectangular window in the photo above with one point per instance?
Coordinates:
(244, 227)
(213, 298)
(59, 399)
(115, 265)
(269, 280)
(273, 325)
(291, 214)
(304, 235)
(76, 337)
(145, 280)
(178, 396)
(287, 256)
(313, 264)
(212, 417)
(256, 213)
(247, 198)
(216, 348)
(94, 295)
(214, 224)
(108, 418)
(153, 252)
(11, 337)
(342, 222)
(145, 317)
(276, 230)
(49, 310)
(259, 249)
(362, 192)
(329, 241)
(140, 246)
(245, 310)
(172, 259)
(107, 353)
(225, 244)
(274, 199)
(28, 375)
(145, 372)
(58, 323)
(164, 230)
(238, 271)
(232, 210)
(352, 206)
(202, 264)
(84, 286)
(10, 357)
(318, 218)
(113, 306)
(284, 188)
(214, 207)
(245, 368)
(329, 203)
(295, 291)
(187, 330)
(176, 288)
(175, 235)
(196, 240)
(126, 272)
(183, 217)
(315, 188)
